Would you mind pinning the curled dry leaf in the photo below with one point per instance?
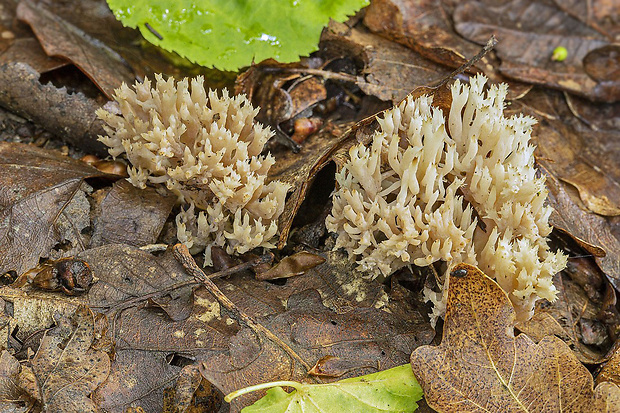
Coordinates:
(71, 116)
(292, 265)
(60, 38)
(66, 369)
(390, 70)
(481, 366)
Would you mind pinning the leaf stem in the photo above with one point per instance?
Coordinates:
(245, 390)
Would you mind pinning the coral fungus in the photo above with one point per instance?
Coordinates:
(455, 188)
(207, 150)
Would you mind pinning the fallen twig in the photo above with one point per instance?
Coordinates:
(181, 253)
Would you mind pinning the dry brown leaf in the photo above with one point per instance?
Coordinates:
(390, 71)
(13, 399)
(37, 186)
(131, 216)
(70, 116)
(292, 265)
(66, 369)
(323, 312)
(104, 66)
(584, 156)
(573, 317)
(424, 26)
(128, 276)
(610, 371)
(528, 32)
(572, 217)
(481, 366)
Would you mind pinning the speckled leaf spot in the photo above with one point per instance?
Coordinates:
(66, 369)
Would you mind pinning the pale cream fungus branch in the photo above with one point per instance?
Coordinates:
(409, 197)
(207, 150)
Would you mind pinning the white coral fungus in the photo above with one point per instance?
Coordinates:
(410, 197)
(206, 149)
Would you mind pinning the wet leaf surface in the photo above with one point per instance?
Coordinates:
(37, 187)
(478, 346)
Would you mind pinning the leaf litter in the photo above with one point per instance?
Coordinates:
(170, 340)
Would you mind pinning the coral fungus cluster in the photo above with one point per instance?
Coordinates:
(455, 188)
(207, 150)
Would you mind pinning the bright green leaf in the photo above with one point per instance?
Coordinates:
(394, 390)
(229, 34)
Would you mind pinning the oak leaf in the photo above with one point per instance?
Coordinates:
(481, 366)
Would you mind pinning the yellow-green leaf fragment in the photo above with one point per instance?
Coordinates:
(559, 54)
(393, 390)
(229, 34)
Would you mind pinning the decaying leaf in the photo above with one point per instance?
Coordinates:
(131, 216)
(66, 369)
(481, 366)
(129, 277)
(573, 317)
(393, 390)
(60, 38)
(390, 70)
(424, 26)
(529, 31)
(13, 399)
(71, 116)
(37, 185)
(292, 265)
(583, 156)
(572, 217)
(610, 371)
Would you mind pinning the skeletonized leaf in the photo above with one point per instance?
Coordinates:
(66, 369)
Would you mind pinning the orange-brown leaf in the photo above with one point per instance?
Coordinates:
(481, 366)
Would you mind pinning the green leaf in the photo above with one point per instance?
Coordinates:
(229, 34)
(394, 390)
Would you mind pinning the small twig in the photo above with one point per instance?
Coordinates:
(486, 49)
(181, 253)
(316, 72)
(219, 274)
